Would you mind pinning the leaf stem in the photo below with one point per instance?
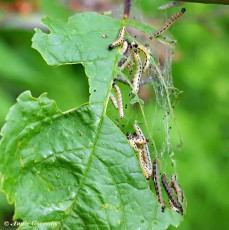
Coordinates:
(126, 9)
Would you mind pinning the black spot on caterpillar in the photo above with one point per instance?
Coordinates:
(157, 185)
(119, 40)
(169, 193)
(168, 23)
(119, 100)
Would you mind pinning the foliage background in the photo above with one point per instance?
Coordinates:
(200, 69)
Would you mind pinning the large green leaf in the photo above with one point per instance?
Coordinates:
(76, 168)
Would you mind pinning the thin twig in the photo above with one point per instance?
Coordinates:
(142, 82)
(126, 9)
(209, 1)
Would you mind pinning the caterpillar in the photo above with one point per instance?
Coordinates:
(170, 5)
(136, 141)
(138, 72)
(176, 187)
(139, 141)
(119, 100)
(126, 49)
(113, 100)
(119, 40)
(146, 171)
(145, 53)
(124, 62)
(180, 211)
(168, 23)
(169, 192)
(157, 185)
(125, 46)
(131, 141)
(147, 157)
(145, 154)
(138, 131)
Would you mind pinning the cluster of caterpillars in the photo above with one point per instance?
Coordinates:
(132, 51)
(171, 187)
(137, 140)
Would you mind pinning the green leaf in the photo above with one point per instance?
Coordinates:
(81, 41)
(74, 169)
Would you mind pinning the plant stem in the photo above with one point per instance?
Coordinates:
(126, 9)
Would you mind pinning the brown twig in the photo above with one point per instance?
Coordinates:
(226, 2)
(126, 9)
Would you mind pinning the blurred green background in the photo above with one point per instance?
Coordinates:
(200, 69)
